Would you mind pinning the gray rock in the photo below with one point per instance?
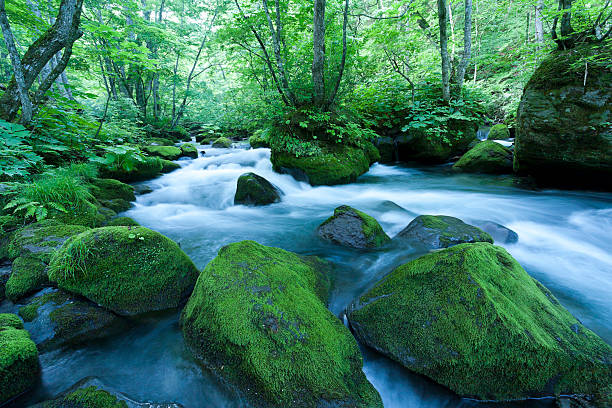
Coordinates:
(440, 231)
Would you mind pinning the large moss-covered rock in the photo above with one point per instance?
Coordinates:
(563, 122)
(472, 319)
(40, 239)
(169, 166)
(259, 139)
(252, 189)
(189, 150)
(486, 157)
(499, 132)
(440, 231)
(353, 228)
(129, 270)
(28, 275)
(122, 221)
(418, 146)
(57, 319)
(335, 165)
(19, 365)
(10, 320)
(148, 169)
(109, 189)
(222, 142)
(165, 152)
(257, 318)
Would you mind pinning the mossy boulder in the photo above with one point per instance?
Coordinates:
(440, 231)
(117, 205)
(353, 228)
(122, 221)
(149, 168)
(563, 134)
(222, 142)
(470, 318)
(19, 366)
(164, 152)
(5, 274)
(258, 139)
(252, 189)
(189, 150)
(371, 152)
(28, 275)
(486, 157)
(110, 189)
(168, 166)
(41, 239)
(338, 164)
(57, 319)
(257, 318)
(499, 132)
(10, 320)
(498, 232)
(128, 270)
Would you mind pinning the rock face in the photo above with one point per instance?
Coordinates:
(165, 152)
(257, 318)
(337, 165)
(499, 132)
(353, 228)
(128, 270)
(56, 319)
(563, 131)
(486, 157)
(222, 142)
(252, 189)
(441, 231)
(470, 318)
(19, 365)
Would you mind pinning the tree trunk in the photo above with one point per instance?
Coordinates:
(467, 46)
(539, 28)
(318, 62)
(64, 32)
(566, 39)
(332, 97)
(443, 21)
(276, 42)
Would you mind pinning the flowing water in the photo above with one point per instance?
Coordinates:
(564, 242)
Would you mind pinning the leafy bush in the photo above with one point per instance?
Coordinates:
(17, 157)
(122, 157)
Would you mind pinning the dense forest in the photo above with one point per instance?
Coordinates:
(286, 203)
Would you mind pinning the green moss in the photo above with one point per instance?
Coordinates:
(129, 270)
(499, 131)
(109, 189)
(19, 365)
(86, 397)
(169, 166)
(372, 152)
(40, 239)
(259, 139)
(148, 169)
(164, 152)
(9, 223)
(486, 157)
(257, 318)
(10, 320)
(471, 318)
(340, 229)
(29, 275)
(222, 142)
(442, 231)
(117, 205)
(189, 150)
(336, 165)
(122, 221)
(252, 189)
(29, 312)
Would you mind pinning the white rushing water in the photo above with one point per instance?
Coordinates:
(564, 241)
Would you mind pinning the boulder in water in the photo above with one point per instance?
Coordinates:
(339, 164)
(440, 231)
(110, 189)
(149, 168)
(57, 319)
(499, 132)
(498, 232)
(253, 189)
(128, 270)
(353, 228)
(563, 127)
(28, 275)
(258, 319)
(470, 318)
(19, 367)
(164, 152)
(259, 139)
(189, 150)
(486, 157)
(223, 142)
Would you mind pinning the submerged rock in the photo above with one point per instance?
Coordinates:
(498, 232)
(222, 142)
(257, 318)
(189, 150)
(57, 319)
(472, 319)
(353, 228)
(19, 365)
(563, 121)
(252, 189)
(486, 157)
(441, 231)
(499, 132)
(337, 165)
(129, 270)
(164, 152)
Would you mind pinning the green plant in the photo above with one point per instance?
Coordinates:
(122, 157)
(17, 157)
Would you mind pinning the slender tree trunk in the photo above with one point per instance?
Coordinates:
(477, 39)
(22, 88)
(174, 88)
(527, 27)
(443, 21)
(539, 28)
(565, 38)
(332, 97)
(467, 46)
(318, 62)
(276, 43)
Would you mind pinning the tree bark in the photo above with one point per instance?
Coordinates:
(318, 62)
(276, 43)
(19, 77)
(64, 32)
(443, 20)
(566, 38)
(539, 28)
(467, 46)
